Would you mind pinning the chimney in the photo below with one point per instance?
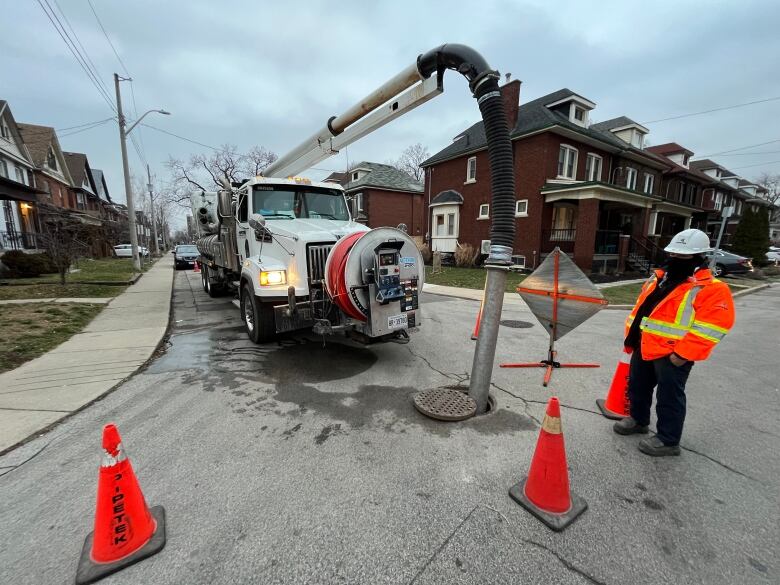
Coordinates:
(510, 93)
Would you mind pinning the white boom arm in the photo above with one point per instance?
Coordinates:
(372, 112)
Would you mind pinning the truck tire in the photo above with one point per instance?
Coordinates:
(213, 290)
(204, 277)
(258, 317)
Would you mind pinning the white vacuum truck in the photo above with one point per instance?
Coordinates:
(290, 250)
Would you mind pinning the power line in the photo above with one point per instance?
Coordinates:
(59, 27)
(142, 153)
(179, 137)
(771, 162)
(713, 110)
(740, 148)
(751, 153)
(95, 125)
(82, 125)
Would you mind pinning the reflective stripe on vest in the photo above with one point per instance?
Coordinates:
(708, 331)
(682, 322)
(663, 329)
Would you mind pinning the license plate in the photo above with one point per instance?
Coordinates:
(397, 322)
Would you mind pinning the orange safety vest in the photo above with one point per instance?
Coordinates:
(689, 321)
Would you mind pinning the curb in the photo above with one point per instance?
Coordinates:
(141, 367)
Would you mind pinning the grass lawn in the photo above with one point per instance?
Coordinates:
(627, 294)
(468, 278)
(47, 291)
(100, 270)
(33, 329)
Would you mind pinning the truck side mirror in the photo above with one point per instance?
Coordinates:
(257, 222)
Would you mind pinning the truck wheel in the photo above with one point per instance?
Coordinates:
(204, 278)
(258, 317)
(213, 290)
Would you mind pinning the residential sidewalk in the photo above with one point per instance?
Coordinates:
(111, 348)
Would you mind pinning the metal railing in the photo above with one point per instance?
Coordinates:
(562, 238)
(607, 241)
(20, 241)
(646, 250)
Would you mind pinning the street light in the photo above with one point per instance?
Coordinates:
(128, 191)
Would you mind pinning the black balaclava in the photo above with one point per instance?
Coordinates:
(681, 268)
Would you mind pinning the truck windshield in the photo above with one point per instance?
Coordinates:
(289, 202)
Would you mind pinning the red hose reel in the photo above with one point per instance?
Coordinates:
(336, 276)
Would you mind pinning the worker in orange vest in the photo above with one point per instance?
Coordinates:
(681, 314)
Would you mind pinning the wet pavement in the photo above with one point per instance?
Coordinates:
(304, 461)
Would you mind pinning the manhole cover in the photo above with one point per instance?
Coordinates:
(445, 404)
(516, 324)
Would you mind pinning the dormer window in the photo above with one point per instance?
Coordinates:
(573, 107)
(580, 114)
(355, 176)
(51, 159)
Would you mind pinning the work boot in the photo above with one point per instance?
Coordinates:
(628, 426)
(655, 447)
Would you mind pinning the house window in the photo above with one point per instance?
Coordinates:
(20, 175)
(631, 178)
(439, 225)
(358, 203)
(690, 195)
(81, 202)
(567, 162)
(471, 170)
(450, 224)
(518, 260)
(579, 114)
(649, 182)
(355, 176)
(445, 225)
(3, 168)
(484, 211)
(593, 167)
(564, 223)
(521, 208)
(5, 132)
(738, 208)
(51, 160)
(718, 201)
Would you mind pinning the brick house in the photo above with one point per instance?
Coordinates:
(580, 186)
(382, 195)
(19, 224)
(51, 169)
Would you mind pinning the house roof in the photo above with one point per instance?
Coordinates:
(704, 164)
(448, 196)
(100, 184)
(380, 176)
(336, 177)
(534, 116)
(38, 139)
(619, 122)
(14, 128)
(676, 168)
(669, 148)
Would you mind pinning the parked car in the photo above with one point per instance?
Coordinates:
(184, 255)
(126, 251)
(773, 255)
(724, 263)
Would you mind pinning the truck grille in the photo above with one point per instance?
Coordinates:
(317, 255)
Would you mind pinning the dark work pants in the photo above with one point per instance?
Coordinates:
(643, 377)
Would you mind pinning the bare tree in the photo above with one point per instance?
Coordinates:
(411, 159)
(204, 172)
(771, 182)
(66, 236)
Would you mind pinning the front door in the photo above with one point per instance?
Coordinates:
(446, 222)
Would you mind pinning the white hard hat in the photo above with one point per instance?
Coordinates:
(690, 241)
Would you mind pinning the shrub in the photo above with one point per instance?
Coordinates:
(21, 265)
(426, 254)
(772, 270)
(464, 256)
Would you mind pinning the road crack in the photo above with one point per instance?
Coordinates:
(565, 562)
(450, 375)
(723, 465)
(30, 458)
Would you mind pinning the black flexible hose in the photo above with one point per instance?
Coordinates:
(483, 82)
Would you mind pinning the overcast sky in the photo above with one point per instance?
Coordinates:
(271, 73)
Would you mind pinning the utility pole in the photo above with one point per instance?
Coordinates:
(126, 168)
(151, 207)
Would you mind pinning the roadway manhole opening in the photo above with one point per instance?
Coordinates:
(514, 324)
(449, 404)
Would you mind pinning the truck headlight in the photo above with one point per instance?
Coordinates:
(273, 277)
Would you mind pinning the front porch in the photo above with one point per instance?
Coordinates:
(609, 229)
(19, 222)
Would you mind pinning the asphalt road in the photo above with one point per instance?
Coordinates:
(304, 461)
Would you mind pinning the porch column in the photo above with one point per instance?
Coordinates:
(623, 246)
(688, 222)
(585, 241)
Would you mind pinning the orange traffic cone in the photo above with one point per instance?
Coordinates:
(126, 531)
(196, 266)
(545, 492)
(617, 405)
(475, 333)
